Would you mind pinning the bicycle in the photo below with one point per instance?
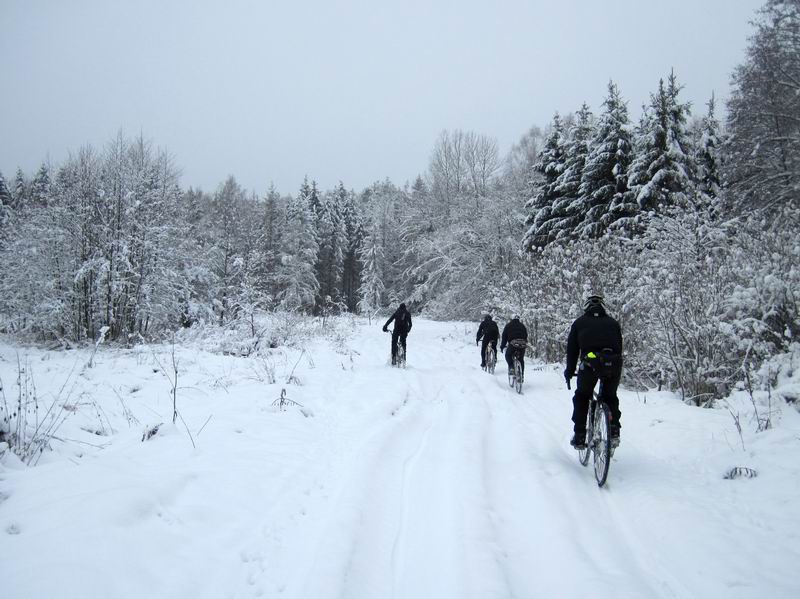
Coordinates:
(490, 359)
(516, 374)
(400, 352)
(598, 437)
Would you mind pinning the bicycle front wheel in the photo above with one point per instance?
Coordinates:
(601, 444)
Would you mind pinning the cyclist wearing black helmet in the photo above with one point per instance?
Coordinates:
(402, 327)
(515, 335)
(596, 339)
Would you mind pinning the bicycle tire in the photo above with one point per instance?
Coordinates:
(583, 454)
(601, 444)
(490, 360)
(400, 355)
(518, 376)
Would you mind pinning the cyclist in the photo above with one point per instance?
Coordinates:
(402, 326)
(489, 332)
(514, 329)
(596, 339)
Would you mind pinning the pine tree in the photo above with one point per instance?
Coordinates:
(5, 207)
(661, 173)
(372, 288)
(297, 281)
(708, 159)
(540, 207)
(20, 193)
(331, 237)
(354, 239)
(271, 241)
(40, 187)
(605, 177)
(570, 209)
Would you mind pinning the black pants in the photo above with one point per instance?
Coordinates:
(402, 337)
(484, 343)
(587, 379)
(510, 351)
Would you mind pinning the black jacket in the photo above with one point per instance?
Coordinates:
(593, 331)
(489, 329)
(513, 330)
(402, 321)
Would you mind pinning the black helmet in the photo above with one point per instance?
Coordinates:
(593, 302)
(402, 306)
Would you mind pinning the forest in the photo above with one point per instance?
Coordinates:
(686, 223)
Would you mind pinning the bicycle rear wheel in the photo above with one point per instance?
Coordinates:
(583, 454)
(601, 444)
(491, 360)
(401, 355)
(517, 376)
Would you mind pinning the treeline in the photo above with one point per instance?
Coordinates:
(690, 231)
(687, 225)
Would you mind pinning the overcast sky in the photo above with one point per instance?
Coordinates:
(340, 90)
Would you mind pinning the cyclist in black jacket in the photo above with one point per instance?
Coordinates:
(489, 332)
(596, 339)
(514, 330)
(402, 326)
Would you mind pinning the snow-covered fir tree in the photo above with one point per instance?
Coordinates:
(661, 174)
(707, 159)
(604, 185)
(540, 207)
(371, 289)
(298, 285)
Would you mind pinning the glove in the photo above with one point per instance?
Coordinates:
(502, 348)
(385, 330)
(568, 375)
(477, 342)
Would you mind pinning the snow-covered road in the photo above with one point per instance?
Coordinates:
(437, 481)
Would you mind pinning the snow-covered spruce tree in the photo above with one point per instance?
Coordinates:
(708, 160)
(40, 186)
(331, 238)
(763, 151)
(569, 211)
(605, 176)
(539, 207)
(371, 290)
(661, 173)
(5, 208)
(267, 258)
(227, 264)
(298, 285)
(354, 240)
(20, 192)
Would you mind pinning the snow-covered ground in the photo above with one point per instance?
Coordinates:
(437, 481)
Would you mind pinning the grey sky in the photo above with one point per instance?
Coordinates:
(352, 90)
